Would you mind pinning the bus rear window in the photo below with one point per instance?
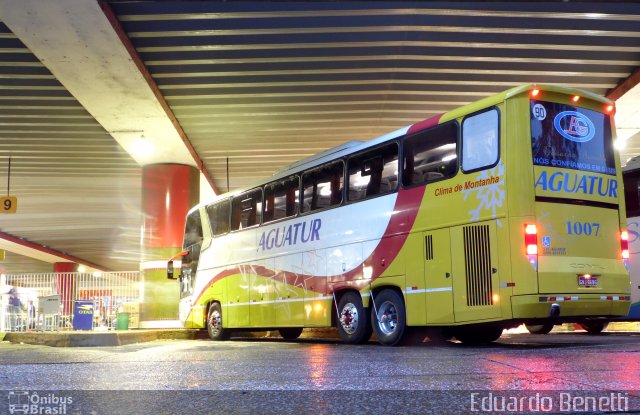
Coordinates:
(570, 137)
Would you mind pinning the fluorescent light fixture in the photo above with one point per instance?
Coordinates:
(141, 147)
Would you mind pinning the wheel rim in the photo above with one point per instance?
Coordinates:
(215, 322)
(387, 317)
(349, 318)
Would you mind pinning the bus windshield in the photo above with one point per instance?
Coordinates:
(570, 137)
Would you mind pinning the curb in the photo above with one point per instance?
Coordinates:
(84, 339)
(121, 338)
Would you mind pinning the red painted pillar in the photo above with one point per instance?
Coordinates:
(168, 192)
(65, 284)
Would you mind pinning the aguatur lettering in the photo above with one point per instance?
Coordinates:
(578, 183)
(287, 235)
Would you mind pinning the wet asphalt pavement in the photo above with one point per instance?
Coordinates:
(275, 376)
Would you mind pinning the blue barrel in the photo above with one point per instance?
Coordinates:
(82, 315)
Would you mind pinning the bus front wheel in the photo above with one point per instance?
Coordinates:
(388, 317)
(353, 322)
(594, 326)
(214, 323)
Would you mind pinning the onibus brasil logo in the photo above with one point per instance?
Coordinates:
(25, 402)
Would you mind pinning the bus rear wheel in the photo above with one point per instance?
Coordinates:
(291, 333)
(539, 328)
(594, 326)
(388, 317)
(214, 323)
(353, 322)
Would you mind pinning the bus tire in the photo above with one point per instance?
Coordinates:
(390, 321)
(594, 326)
(290, 333)
(475, 335)
(214, 323)
(353, 322)
(539, 328)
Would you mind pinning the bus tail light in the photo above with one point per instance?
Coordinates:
(624, 244)
(531, 244)
(624, 248)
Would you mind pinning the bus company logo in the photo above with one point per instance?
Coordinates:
(25, 402)
(85, 309)
(574, 126)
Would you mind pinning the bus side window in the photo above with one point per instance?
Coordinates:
(193, 229)
(480, 144)
(430, 155)
(373, 173)
(323, 187)
(246, 209)
(281, 199)
(222, 216)
(219, 217)
(269, 200)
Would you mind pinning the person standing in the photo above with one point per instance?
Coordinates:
(15, 310)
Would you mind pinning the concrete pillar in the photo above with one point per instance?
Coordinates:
(168, 192)
(65, 284)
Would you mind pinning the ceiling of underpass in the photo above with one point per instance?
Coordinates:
(254, 86)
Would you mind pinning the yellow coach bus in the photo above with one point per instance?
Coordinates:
(505, 211)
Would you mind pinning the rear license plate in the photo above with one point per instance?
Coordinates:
(587, 282)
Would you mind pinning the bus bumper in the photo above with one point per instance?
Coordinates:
(540, 306)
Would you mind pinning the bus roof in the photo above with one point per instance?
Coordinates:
(350, 147)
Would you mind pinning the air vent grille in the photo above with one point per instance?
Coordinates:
(428, 244)
(478, 265)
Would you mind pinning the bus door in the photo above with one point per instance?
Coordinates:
(289, 291)
(474, 250)
(238, 290)
(438, 276)
(262, 296)
(314, 269)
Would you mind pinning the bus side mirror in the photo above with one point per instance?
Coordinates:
(170, 270)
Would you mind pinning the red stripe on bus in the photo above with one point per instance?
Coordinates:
(423, 125)
(395, 235)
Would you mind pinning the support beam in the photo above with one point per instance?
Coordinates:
(625, 86)
(77, 43)
(30, 249)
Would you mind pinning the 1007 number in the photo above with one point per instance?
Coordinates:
(583, 228)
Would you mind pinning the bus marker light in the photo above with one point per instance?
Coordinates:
(575, 98)
(535, 92)
(495, 298)
(610, 108)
